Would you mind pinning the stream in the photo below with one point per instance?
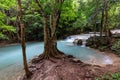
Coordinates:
(11, 57)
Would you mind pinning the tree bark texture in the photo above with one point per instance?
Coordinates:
(22, 39)
(50, 24)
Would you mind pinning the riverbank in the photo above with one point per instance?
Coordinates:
(5, 43)
(115, 59)
(70, 68)
(8, 44)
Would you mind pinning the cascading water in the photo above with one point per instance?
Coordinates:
(94, 57)
(83, 43)
(82, 37)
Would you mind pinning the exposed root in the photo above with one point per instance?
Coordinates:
(52, 60)
(41, 57)
(49, 55)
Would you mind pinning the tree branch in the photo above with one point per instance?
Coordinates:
(58, 13)
(40, 6)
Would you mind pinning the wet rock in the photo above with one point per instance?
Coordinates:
(32, 66)
(77, 41)
(35, 60)
(88, 75)
(70, 56)
(76, 60)
(33, 69)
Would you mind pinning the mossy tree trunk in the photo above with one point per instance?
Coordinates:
(22, 39)
(102, 21)
(50, 24)
(95, 21)
(106, 18)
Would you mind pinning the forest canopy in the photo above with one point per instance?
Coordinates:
(76, 16)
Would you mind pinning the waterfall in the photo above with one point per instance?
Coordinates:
(83, 43)
(82, 37)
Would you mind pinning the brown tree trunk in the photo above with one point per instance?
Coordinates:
(95, 19)
(50, 25)
(50, 41)
(22, 39)
(106, 20)
(102, 20)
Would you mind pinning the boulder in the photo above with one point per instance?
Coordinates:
(115, 32)
(77, 41)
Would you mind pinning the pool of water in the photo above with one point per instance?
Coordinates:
(11, 57)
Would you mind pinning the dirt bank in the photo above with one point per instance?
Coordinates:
(69, 68)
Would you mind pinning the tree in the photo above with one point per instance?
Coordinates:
(95, 18)
(51, 11)
(106, 18)
(22, 39)
(102, 20)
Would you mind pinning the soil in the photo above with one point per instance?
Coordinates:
(7, 43)
(70, 68)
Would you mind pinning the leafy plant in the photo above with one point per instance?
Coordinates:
(112, 76)
(116, 76)
(102, 48)
(116, 47)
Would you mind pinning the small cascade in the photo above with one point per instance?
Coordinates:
(83, 43)
(82, 37)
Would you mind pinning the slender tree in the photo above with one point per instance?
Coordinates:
(95, 19)
(51, 21)
(22, 39)
(102, 21)
(106, 18)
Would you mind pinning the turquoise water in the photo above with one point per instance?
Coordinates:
(11, 56)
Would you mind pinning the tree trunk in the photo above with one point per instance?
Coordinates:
(50, 24)
(95, 19)
(22, 39)
(102, 20)
(50, 41)
(106, 20)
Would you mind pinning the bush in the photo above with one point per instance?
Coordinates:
(116, 47)
(112, 76)
(102, 48)
(98, 42)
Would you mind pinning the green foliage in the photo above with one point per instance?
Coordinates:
(115, 76)
(2, 16)
(116, 47)
(112, 76)
(33, 21)
(76, 16)
(2, 36)
(5, 7)
(102, 48)
(6, 28)
(114, 14)
(7, 4)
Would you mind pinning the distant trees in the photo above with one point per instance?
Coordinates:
(77, 16)
(7, 31)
